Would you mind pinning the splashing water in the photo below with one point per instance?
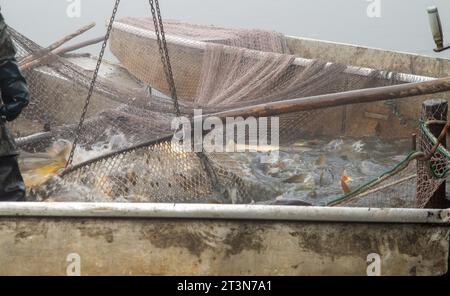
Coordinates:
(112, 143)
(312, 171)
(316, 171)
(41, 169)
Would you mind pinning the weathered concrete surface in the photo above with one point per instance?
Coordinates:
(114, 246)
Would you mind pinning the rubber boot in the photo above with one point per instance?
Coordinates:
(12, 187)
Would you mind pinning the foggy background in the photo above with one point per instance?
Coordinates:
(403, 24)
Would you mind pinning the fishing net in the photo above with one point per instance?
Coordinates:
(432, 172)
(214, 70)
(246, 68)
(396, 188)
(58, 88)
(414, 181)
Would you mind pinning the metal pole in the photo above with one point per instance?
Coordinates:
(223, 212)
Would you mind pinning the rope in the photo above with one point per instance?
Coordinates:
(437, 147)
(419, 156)
(360, 190)
(165, 59)
(438, 140)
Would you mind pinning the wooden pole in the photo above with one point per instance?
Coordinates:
(35, 63)
(33, 138)
(37, 57)
(367, 95)
(436, 109)
(71, 36)
(79, 45)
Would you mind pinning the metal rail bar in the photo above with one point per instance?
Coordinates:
(224, 212)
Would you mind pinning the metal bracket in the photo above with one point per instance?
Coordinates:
(441, 48)
(436, 29)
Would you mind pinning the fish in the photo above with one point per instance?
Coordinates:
(299, 147)
(273, 172)
(285, 164)
(296, 179)
(305, 181)
(314, 142)
(321, 161)
(345, 179)
(39, 168)
(325, 177)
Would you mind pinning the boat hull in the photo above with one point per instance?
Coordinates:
(114, 239)
(137, 50)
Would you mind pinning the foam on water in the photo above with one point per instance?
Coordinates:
(113, 143)
(309, 170)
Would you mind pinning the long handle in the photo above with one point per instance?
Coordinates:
(33, 138)
(64, 50)
(436, 27)
(339, 99)
(35, 58)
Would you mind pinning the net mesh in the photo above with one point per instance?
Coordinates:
(396, 188)
(432, 173)
(57, 87)
(243, 69)
(215, 69)
(414, 181)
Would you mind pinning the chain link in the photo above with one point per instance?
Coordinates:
(164, 52)
(92, 85)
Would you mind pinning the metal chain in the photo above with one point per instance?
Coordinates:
(165, 59)
(164, 52)
(92, 85)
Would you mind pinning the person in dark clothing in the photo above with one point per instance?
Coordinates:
(14, 97)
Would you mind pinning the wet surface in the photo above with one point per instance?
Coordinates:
(315, 170)
(215, 247)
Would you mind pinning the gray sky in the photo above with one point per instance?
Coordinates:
(403, 24)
